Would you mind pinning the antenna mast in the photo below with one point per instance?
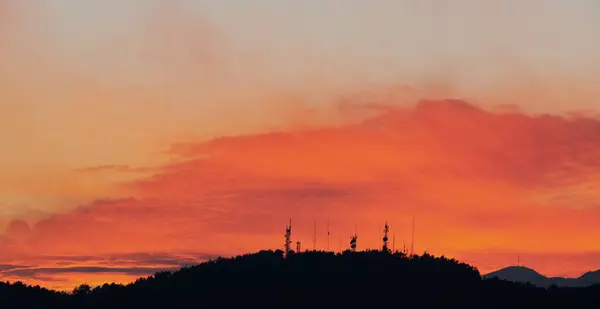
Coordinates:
(328, 236)
(315, 235)
(288, 238)
(412, 246)
(298, 246)
(353, 240)
(386, 230)
(394, 243)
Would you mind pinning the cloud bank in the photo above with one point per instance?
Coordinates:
(473, 179)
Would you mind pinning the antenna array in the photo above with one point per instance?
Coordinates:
(353, 239)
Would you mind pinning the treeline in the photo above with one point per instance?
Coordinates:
(266, 277)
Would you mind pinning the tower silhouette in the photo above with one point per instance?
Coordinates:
(328, 236)
(353, 240)
(315, 235)
(386, 230)
(288, 238)
(412, 245)
(353, 243)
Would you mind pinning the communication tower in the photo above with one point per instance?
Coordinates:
(353, 240)
(412, 245)
(288, 238)
(386, 230)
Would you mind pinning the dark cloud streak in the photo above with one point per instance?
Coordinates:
(35, 272)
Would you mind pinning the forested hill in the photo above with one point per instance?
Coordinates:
(266, 277)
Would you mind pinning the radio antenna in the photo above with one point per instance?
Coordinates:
(353, 240)
(386, 230)
(288, 238)
(412, 246)
(328, 236)
(315, 235)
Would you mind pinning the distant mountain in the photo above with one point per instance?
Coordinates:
(526, 275)
(519, 274)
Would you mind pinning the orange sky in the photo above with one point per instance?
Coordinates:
(177, 138)
(484, 187)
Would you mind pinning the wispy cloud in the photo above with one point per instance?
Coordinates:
(35, 272)
(65, 271)
(116, 168)
(8, 267)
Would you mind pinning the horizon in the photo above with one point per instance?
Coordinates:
(405, 254)
(142, 134)
(305, 251)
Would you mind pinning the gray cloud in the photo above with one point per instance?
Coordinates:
(36, 272)
(156, 258)
(8, 267)
(136, 264)
(139, 258)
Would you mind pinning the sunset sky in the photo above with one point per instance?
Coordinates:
(139, 135)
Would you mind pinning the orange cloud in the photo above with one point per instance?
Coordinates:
(115, 168)
(476, 181)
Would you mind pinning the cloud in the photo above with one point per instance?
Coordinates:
(65, 271)
(34, 272)
(473, 178)
(115, 168)
(8, 267)
(18, 229)
(157, 258)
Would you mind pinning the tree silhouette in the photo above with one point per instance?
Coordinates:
(82, 290)
(309, 278)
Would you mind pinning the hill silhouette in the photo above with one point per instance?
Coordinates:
(526, 275)
(269, 277)
(519, 274)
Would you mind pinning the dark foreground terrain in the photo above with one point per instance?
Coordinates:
(267, 277)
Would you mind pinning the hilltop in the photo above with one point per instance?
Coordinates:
(526, 275)
(519, 274)
(268, 277)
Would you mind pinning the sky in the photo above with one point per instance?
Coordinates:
(139, 135)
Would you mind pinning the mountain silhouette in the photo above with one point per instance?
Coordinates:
(308, 278)
(526, 275)
(519, 274)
